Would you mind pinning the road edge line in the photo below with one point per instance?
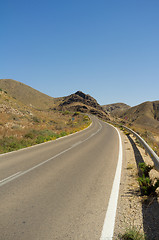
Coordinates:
(109, 222)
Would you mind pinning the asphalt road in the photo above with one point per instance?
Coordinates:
(60, 189)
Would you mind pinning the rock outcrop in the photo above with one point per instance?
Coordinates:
(82, 102)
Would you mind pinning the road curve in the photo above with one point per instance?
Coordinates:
(60, 189)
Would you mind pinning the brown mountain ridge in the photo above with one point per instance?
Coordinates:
(145, 114)
(30, 97)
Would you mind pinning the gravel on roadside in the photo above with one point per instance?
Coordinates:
(131, 212)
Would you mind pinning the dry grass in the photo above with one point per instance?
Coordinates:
(22, 126)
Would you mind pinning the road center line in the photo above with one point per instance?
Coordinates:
(76, 144)
(19, 174)
(10, 177)
(109, 222)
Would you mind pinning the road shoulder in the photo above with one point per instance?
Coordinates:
(129, 210)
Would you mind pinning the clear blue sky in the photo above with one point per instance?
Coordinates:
(106, 48)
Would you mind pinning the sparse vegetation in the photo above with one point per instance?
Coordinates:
(25, 112)
(34, 130)
(144, 168)
(76, 114)
(36, 120)
(66, 112)
(147, 188)
(85, 118)
(132, 233)
(23, 126)
(32, 137)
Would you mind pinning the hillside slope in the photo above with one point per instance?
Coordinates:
(145, 114)
(26, 94)
(30, 97)
(22, 125)
(28, 116)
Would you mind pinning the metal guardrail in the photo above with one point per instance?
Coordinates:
(151, 153)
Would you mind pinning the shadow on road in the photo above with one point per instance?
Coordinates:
(150, 210)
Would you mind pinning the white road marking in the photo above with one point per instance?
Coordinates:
(76, 144)
(19, 174)
(9, 178)
(109, 222)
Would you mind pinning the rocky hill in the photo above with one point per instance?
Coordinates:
(116, 108)
(82, 102)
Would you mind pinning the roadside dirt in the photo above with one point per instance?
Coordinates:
(132, 210)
